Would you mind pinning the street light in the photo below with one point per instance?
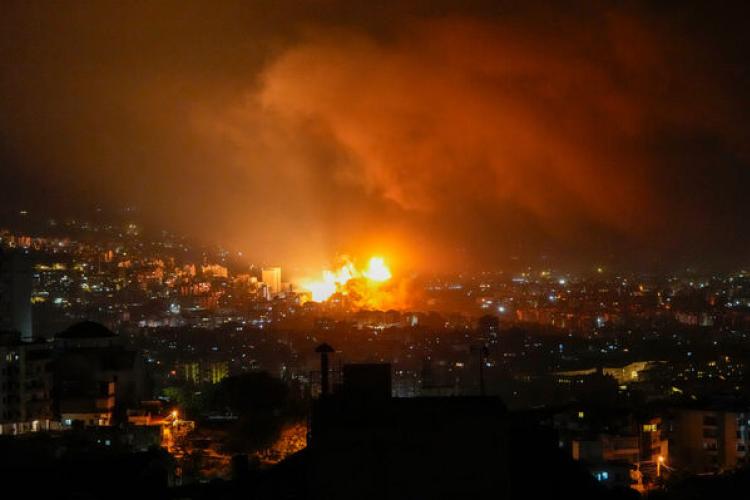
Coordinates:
(659, 463)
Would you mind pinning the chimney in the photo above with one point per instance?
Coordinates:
(324, 349)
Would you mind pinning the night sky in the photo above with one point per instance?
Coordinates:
(442, 134)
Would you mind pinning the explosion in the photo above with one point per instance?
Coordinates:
(364, 285)
(377, 270)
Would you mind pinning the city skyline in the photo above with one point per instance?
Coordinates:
(387, 250)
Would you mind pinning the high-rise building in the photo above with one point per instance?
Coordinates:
(272, 278)
(15, 294)
(25, 384)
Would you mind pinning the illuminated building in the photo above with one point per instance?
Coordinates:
(214, 271)
(654, 446)
(190, 372)
(271, 276)
(703, 440)
(217, 371)
(197, 372)
(607, 448)
(624, 375)
(25, 385)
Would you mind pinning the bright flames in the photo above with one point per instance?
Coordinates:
(377, 270)
(375, 273)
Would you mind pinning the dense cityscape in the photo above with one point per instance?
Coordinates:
(333, 250)
(640, 376)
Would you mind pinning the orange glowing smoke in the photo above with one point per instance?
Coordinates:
(347, 279)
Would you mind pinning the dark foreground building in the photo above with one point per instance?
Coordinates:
(365, 444)
(97, 378)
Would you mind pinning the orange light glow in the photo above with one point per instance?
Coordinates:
(336, 281)
(377, 270)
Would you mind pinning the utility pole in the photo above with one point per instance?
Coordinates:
(483, 353)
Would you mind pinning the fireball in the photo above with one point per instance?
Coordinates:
(321, 290)
(342, 279)
(377, 270)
